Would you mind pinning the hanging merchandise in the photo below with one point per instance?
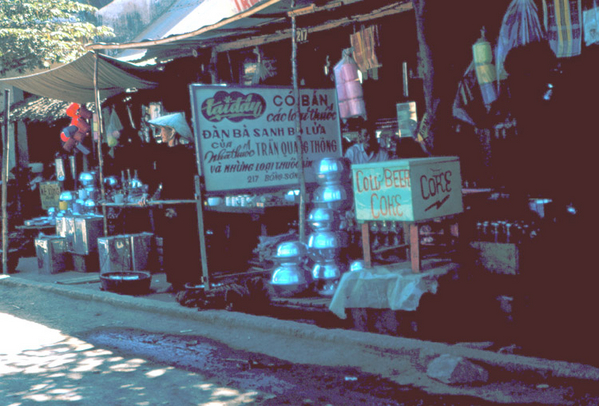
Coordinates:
(485, 70)
(520, 26)
(563, 24)
(349, 88)
(72, 136)
(365, 42)
(467, 105)
(591, 24)
(264, 68)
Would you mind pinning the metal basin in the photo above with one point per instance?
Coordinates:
(126, 282)
(326, 270)
(324, 245)
(329, 169)
(332, 195)
(323, 218)
(289, 280)
(291, 252)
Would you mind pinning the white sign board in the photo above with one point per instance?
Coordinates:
(246, 136)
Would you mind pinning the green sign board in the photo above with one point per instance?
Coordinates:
(407, 189)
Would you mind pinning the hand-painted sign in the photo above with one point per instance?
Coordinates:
(247, 137)
(49, 194)
(407, 189)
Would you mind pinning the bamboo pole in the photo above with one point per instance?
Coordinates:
(298, 129)
(5, 166)
(99, 148)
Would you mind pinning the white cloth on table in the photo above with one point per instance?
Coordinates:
(393, 287)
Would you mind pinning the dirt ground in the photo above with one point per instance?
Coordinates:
(283, 370)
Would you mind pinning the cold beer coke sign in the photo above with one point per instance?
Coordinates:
(247, 136)
(407, 189)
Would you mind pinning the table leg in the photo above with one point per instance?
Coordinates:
(366, 245)
(415, 248)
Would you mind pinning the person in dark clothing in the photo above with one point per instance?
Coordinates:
(177, 224)
(557, 282)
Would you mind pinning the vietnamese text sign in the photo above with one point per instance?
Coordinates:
(49, 194)
(407, 189)
(246, 136)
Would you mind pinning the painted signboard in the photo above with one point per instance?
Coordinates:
(246, 136)
(407, 189)
(50, 194)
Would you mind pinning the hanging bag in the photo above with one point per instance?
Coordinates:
(591, 24)
(563, 23)
(520, 26)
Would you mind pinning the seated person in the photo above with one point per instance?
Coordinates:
(369, 150)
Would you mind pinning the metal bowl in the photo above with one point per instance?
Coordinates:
(111, 181)
(323, 218)
(126, 282)
(324, 245)
(332, 195)
(289, 280)
(329, 169)
(326, 270)
(87, 178)
(293, 251)
(357, 265)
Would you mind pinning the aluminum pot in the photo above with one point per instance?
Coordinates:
(326, 270)
(292, 252)
(323, 245)
(357, 265)
(323, 218)
(330, 169)
(111, 181)
(289, 280)
(331, 195)
(87, 179)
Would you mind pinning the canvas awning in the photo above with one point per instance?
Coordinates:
(74, 82)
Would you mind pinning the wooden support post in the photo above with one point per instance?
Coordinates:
(366, 245)
(205, 272)
(415, 247)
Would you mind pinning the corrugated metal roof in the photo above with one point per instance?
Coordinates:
(206, 20)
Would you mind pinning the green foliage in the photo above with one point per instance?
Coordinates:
(38, 33)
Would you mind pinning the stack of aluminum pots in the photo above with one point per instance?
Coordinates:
(328, 237)
(290, 278)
